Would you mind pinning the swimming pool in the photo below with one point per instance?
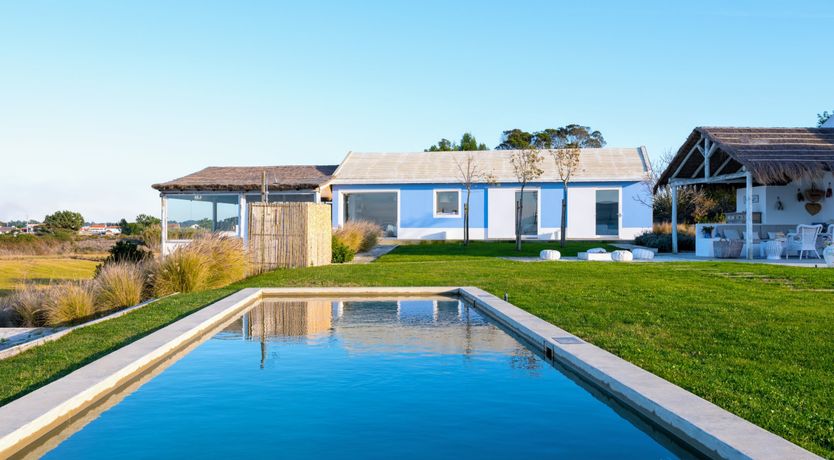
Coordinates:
(366, 378)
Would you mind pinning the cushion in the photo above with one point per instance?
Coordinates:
(731, 234)
(642, 254)
(550, 254)
(622, 256)
(775, 235)
(596, 251)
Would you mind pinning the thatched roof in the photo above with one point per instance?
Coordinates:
(248, 178)
(772, 155)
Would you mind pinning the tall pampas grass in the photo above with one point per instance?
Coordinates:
(359, 235)
(27, 302)
(206, 263)
(69, 302)
(119, 285)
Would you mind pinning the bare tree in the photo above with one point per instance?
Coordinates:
(527, 168)
(567, 164)
(470, 173)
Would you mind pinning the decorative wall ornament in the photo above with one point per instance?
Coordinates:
(779, 205)
(828, 191)
(799, 196)
(814, 194)
(813, 208)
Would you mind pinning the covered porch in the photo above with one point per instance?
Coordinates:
(215, 199)
(782, 179)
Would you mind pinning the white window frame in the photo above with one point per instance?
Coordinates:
(447, 216)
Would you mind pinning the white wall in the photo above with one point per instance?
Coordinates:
(794, 211)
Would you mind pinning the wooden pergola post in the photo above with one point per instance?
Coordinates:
(164, 216)
(748, 213)
(674, 218)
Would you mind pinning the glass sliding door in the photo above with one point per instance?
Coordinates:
(529, 212)
(377, 207)
(608, 212)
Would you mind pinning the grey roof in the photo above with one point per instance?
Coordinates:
(603, 164)
(245, 178)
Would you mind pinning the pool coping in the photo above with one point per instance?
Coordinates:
(707, 427)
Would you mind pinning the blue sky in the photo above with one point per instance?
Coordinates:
(98, 100)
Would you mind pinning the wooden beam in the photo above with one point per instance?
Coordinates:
(748, 200)
(698, 171)
(725, 163)
(685, 159)
(711, 180)
(674, 218)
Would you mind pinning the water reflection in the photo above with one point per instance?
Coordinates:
(441, 326)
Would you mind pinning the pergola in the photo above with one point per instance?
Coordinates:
(760, 156)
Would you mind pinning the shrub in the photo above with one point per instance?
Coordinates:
(152, 237)
(663, 241)
(341, 252)
(119, 284)
(206, 263)
(359, 235)
(127, 251)
(28, 305)
(64, 220)
(68, 303)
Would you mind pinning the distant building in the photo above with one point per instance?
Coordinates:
(100, 229)
(7, 230)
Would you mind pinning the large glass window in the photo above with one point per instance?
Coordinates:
(377, 207)
(608, 212)
(447, 203)
(529, 212)
(190, 215)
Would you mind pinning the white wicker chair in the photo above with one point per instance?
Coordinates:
(804, 240)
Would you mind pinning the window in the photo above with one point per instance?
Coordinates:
(447, 203)
(190, 215)
(377, 207)
(529, 212)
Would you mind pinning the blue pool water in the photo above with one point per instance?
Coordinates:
(361, 379)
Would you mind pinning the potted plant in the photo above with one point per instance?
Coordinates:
(707, 231)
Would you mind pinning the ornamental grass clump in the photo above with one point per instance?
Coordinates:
(359, 235)
(118, 285)
(26, 303)
(69, 302)
(205, 263)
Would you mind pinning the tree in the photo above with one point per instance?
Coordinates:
(570, 136)
(515, 139)
(144, 221)
(467, 143)
(567, 164)
(64, 220)
(823, 117)
(470, 173)
(526, 167)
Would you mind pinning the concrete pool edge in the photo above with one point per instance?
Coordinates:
(698, 422)
(692, 419)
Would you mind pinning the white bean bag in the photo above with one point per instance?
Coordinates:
(621, 256)
(642, 254)
(550, 254)
(596, 251)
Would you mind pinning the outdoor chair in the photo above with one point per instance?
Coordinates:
(804, 240)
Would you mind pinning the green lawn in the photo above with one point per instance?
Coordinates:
(441, 250)
(756, 340)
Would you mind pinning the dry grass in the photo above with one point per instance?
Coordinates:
(119, 285)
(665, 228)
(359, 235)
(206, 263)
(69, 302)
(26, 305)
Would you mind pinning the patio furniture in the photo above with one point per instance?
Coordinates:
(622, 256)
(773, 249)
(727, 249)
(550, 254)
(642, 254)
(804, 239)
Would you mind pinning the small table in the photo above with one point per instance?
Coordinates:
(773, 249)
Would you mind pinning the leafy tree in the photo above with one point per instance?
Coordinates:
(64, 220)
(144, 220)
(467, 143)
(570, 136)
(823, 117)
(527, 167)
(515, 139)
(470, 173)
(567, 163)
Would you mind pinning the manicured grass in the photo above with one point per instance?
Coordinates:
(754, 339)
(442, 250)
(42, 269)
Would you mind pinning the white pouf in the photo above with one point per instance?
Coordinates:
(621, 256)
(596, 251)
(550, 254)
(642, 254)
